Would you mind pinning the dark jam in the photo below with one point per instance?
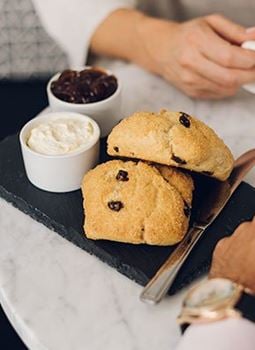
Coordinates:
(87, 86)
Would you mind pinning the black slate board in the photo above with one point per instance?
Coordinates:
(64, 214)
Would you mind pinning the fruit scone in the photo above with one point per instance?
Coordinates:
(172, 138)
(136, 202)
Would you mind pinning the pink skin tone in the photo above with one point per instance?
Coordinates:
(201, 57)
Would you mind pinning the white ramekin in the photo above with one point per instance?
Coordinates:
(106, 112)
(249, 45)
(59, 173)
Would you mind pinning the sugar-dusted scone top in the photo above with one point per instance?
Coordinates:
(180, 180)
(172, 138)
(132, 202)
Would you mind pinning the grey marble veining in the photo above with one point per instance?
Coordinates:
(59, 297)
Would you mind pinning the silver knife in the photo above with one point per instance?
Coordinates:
(211, 207)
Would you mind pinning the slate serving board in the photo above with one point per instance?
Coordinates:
(64, 214)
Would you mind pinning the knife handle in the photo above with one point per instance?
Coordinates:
(159, 285)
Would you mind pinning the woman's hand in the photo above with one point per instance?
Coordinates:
(202, 57)
(233, 257)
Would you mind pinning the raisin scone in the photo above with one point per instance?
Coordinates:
(172, 138)
(135, 202)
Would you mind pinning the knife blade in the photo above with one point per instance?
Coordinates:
(210, 208)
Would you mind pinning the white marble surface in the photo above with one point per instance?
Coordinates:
(59, 297)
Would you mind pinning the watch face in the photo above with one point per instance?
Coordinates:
(212, 294)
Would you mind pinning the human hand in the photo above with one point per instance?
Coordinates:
(201, 57)
(233, 257)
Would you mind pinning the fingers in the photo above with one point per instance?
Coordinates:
(230, 79)
(208, 94)
(222, 52)
(207, 69)
(229, 30)
(216, 69)
(196, 86)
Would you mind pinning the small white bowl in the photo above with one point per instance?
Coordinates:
(249, 45)
(59, 173)
(106, 112)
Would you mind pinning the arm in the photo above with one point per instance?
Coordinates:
(72, 23)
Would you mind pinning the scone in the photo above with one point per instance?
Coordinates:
(172, 138)
(136, 202)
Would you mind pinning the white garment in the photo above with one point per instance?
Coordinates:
(26, 50)
(231, 334)
(71, 24)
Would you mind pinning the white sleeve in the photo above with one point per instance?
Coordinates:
(71, 23)
(231, 334)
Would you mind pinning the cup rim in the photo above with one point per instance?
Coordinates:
(68, 115)
(83, 105)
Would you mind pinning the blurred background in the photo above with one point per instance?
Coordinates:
(28, 57)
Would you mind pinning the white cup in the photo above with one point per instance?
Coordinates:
(59, 173)
(106, 112)
(250, 45)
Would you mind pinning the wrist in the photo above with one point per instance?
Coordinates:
(150, 34)
(135, 49)
(115, 36)
(234, 275)
(216, 299)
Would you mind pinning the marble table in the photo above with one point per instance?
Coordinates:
(59, 297)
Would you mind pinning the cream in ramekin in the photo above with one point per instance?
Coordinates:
(58, 149)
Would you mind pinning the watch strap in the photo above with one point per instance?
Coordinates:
(246, 305)
(184, 326)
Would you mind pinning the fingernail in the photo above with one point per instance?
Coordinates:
(250, 30)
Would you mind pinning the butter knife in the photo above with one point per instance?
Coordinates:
(211, 207)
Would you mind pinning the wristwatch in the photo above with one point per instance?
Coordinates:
(216, 299)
